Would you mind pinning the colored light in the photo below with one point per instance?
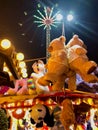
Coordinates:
(5, 44)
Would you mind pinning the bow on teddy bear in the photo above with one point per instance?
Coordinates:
(65, 62)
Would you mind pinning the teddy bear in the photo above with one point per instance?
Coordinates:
(78, 60)
(39, 71)
(67, 115)
(65, 62)
(57, 65)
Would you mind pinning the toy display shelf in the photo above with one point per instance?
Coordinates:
(53, 95)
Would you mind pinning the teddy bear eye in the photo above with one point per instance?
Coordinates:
(39, 110)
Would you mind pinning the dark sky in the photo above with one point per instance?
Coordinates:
(17, 24)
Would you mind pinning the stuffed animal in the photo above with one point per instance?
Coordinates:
(39, 71)
(81, 111)
(76, 40)
(78, 60)
(40, 115)
(20, 88)
(31, 86)
(67, 116)
(57, 65)
(65, 62)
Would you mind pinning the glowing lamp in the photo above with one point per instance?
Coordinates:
(5, 68)
(24, 75)
(70, 17)
(20, 56)
(22, 64)
(5, 44)
(23, 70)
(59, 17)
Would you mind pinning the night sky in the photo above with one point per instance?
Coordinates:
(17, 24)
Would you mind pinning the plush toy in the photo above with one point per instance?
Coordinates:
(81, 112)
(57, 65)
(31, 86)
(40, 115)
(78, 60)
(65, 62)
(76, 40)
(39, 71)
(67, 116)
(20, 88)
(3, 90)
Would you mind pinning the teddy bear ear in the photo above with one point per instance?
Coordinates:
(50, 49)
(62, 39)
(34, 64)
(75, 36)
(40, 62)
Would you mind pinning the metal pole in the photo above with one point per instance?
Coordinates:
(63, 29)
(47, 40)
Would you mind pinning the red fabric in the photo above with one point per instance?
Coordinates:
(45, 128)
(3, 89)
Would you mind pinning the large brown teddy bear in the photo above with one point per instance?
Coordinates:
(57, 65)
(65, 62)
(67, 116)
(78, 60)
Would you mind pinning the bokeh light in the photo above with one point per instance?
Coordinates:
(22, 64)
(5, 44)
(20, 56)
(59, 17)
(69, 17)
